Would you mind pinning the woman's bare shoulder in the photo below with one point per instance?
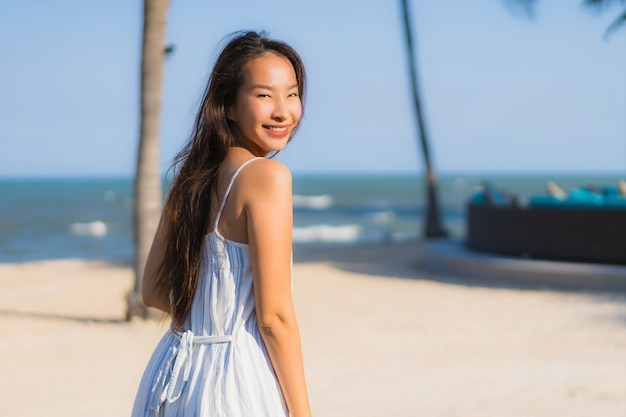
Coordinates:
(265, 178)
(262, 170)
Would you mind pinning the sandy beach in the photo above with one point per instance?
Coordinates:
(381, 336)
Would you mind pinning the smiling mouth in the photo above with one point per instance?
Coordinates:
(276, 128)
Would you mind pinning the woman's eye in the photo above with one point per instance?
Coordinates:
(293, 95)
(263, 95)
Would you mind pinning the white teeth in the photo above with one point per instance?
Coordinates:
(277, 129)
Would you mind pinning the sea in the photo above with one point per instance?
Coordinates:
(90, 218)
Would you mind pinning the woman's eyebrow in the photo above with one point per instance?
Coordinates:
(267, 87)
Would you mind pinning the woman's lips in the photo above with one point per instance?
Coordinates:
(276, 131)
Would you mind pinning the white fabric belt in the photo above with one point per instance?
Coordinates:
(203, 340)
(167, 385)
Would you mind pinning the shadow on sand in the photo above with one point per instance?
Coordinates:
(407, 260)
(62, 317)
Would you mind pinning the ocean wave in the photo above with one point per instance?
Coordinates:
(326, 233)
(97, 229)
(383, 217)
(314, 202)
(402, 236)
(109, 196)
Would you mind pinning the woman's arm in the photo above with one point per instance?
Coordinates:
(269, 217)
(152, 295)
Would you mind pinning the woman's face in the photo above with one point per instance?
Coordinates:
(267, 107)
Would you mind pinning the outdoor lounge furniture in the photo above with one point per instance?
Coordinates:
(582, 226)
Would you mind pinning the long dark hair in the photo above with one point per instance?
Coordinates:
(187, 206)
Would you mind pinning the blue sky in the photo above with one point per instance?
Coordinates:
(501, 93)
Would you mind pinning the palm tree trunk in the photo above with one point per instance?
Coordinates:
(147, 187)
(432, 220)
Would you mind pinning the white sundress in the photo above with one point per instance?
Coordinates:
(219, 366)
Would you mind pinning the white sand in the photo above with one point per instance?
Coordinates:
(381, 338)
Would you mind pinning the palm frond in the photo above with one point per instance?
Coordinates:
(525, 8)
(615, 24)
(601, 4)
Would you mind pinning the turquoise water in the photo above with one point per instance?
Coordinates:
(91, 218)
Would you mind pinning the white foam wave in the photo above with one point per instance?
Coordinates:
(315, 202)
(325, 233)
(403, 236)
(460, 183)
(97, 228)
(109, 196)
(383, 217)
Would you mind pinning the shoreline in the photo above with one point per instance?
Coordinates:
(381, 336)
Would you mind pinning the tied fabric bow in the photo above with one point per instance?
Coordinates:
(168, 386)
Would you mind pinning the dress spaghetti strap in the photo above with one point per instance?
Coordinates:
(230, 184)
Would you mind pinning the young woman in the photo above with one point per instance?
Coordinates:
(220, 263)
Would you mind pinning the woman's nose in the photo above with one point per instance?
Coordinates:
(281, 110)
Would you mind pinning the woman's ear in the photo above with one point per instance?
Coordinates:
(230, 114)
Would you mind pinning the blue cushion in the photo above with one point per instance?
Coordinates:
(479, 198)
(608, 190)
(496, 196)
(615, 201)
(545, 200)
(579, 197)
